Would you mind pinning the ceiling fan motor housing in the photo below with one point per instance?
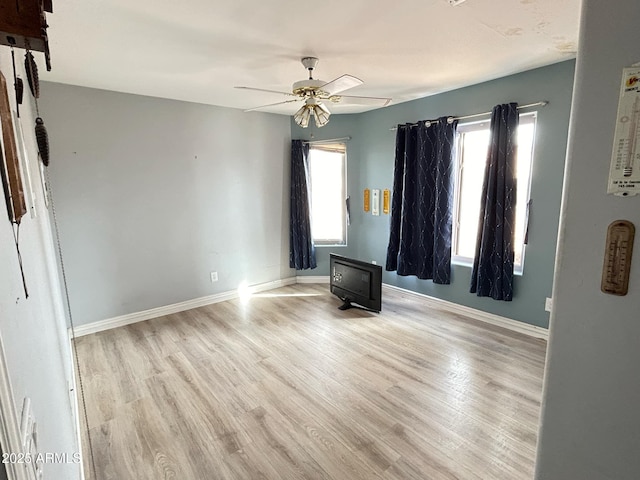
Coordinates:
(308, 87)
(309, 62)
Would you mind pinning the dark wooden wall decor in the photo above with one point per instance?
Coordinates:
(23, 24)
(17, 206)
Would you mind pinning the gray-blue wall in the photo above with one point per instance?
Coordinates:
(371, 156)
(152, 195)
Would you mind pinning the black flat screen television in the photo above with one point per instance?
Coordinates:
(356, 282)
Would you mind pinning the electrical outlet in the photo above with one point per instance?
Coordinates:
(214, 277)
(374, 262)
(548, 303)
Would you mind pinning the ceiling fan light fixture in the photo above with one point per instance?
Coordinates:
(316, 93)
(321, 115)
(311, 107)
(302, 116)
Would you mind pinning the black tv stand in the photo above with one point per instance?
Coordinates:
(347, 305)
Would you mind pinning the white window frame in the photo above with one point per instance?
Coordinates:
(525, 118)
(332, 242)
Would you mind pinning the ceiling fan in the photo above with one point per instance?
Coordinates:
(316, 94)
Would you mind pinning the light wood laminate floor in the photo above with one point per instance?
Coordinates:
(286, 386)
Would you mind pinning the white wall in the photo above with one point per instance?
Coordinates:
(590, 426)
(152, 195)
(33, 330)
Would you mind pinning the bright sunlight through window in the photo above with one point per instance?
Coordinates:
(327, 169)
(473, 143)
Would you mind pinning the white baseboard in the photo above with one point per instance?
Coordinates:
(135, 317)
(312, 279)
(508, 323)
(504, 322)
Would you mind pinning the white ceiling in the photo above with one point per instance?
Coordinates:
(198, 50)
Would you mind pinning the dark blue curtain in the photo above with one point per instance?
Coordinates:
(302, 252)
(421, 208)
(492, 274)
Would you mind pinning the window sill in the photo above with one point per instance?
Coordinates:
(467, 262)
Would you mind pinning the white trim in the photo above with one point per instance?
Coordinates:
(504, 322)
(10, 435)
(341, 150)
(122, 320)
(312, 279)
(518, 269)
(76, 407)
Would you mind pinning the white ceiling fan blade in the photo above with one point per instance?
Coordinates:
(272, 104)
(265, 90)
(340, 84)
(352, 100)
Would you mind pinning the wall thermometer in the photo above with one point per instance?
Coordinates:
(624, 173)
(617, 258)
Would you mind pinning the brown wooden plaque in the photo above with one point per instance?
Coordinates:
(17, 206)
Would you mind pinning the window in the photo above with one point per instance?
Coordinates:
(327, 169)
(473, 143)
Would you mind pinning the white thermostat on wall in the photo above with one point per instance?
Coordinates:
(624, 174)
